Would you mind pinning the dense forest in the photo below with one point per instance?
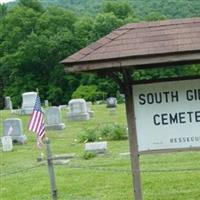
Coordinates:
(35, 35)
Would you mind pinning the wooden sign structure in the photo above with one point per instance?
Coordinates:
(141, 46)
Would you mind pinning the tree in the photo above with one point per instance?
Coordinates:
(3, 10)
(84, 31)
(121, 9)
(34, 4)
(87, 92)
(105, 23)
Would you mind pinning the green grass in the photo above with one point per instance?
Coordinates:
(105, 177)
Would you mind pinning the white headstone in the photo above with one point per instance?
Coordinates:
(78, 110)
(8, 103)
(111, 102)
(28, 102)
(7, 143)
(13, 127)
(53, 119)
(96, 147)
(89, 108)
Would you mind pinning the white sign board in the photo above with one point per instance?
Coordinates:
(167, 114)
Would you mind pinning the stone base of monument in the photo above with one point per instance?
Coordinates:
(112, 111)
(60, 126)
(19, 139)
(26, 111)
(78, 117)
(91, 113)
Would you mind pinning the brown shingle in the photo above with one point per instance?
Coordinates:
(141, 39)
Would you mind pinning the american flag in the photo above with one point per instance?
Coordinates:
(36, 123)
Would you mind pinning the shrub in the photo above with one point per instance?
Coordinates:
(88, 135)
(110, 131)
(89, 93)
(113, 132)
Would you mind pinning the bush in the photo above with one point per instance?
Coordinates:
(89, 93)
(113, 131)
(110, 131)
(88, 135)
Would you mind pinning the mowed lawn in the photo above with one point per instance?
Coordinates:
(171, 176)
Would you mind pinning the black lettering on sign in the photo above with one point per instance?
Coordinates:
(182, 117)
(197, 116)
(173, 118)
(193, 95)
(155, 119)
(142, 99)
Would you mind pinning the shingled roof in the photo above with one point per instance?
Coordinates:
(141, 44)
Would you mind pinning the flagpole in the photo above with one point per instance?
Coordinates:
(51, 170)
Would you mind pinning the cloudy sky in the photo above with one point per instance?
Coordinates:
(5, 1)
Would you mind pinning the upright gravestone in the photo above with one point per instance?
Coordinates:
(111, 102)
(89, 108)
(28, 102)
(8, 103)
(78, 110)
(13, 127)
(46, 103)
(53, 119)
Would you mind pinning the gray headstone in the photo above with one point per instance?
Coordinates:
(28, 102)
(78, 110)
(62, 107)
(53, 119)
(46, 103)
(13, 127)
(96, 147)
(112, 111)
(8, 103)
(111, 102)
(89, 108)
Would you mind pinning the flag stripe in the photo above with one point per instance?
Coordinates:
(36, 123)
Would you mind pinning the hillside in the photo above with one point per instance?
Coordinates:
(142, 8)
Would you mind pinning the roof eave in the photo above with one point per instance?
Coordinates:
(135, 62)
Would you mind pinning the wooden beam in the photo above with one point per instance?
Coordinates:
(130, 114)
(142, 62)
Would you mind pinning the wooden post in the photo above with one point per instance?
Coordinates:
(130, 114)
(51, 170)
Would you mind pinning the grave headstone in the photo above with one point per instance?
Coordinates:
(8, 103)
(46, 103)
(28, 102)
(53, 119)
(78, 110)
(112, 111)
(111, 102)
(89, 108)
(7, 143)
(96, 147)
(62, 107)
(13, 127)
